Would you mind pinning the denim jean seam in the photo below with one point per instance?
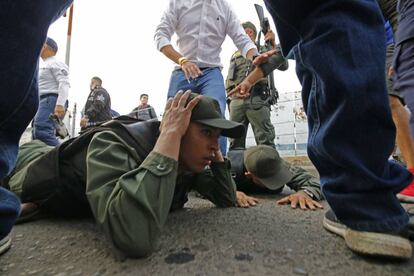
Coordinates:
(316, 125)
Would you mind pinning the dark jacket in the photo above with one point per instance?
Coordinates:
(98, 106)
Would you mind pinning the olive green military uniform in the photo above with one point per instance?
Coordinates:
(255, 109)
(129, 193)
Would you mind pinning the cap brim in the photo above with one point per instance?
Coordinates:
(228, 128)
(281, 176)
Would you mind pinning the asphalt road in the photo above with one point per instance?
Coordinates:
(199, 240)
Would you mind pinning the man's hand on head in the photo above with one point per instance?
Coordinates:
(302, 199)
(177, 114)
(245, 201)
(174, 124)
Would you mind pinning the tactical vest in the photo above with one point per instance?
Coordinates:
(44, 185)
(239, 68)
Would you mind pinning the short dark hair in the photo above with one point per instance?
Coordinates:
(142, 95)
(98, 80)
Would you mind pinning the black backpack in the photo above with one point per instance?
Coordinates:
(44, 185)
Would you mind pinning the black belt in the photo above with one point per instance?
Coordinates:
(48, 95)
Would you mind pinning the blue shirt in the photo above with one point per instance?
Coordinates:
(389, 33)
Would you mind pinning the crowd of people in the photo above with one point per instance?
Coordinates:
(129, 172)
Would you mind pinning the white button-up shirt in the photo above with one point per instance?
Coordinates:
(201, 27)
(54, 79)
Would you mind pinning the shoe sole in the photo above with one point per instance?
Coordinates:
(405, 199)
(334, 227)
(5, 246)
(378, 244)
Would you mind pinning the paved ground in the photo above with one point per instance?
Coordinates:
(199, 240)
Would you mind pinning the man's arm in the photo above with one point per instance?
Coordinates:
(153, 113)
(61, 73)
(307, 187)
(162, 37)
(217, 185)
(265, 64)
(190, 69)
(236, 32)
(130, 201)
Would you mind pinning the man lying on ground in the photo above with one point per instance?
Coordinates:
(130, 176)
(260, 169)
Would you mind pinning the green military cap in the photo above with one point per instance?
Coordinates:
(265, 163)
(250, 25)
(207, 112)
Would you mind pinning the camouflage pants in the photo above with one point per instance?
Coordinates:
(256, 112)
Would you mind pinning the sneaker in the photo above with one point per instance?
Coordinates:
(5, 244)
(369, 243)
(332, 224)
(407, 194)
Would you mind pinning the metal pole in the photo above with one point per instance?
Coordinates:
(69, 38)
(73, 120)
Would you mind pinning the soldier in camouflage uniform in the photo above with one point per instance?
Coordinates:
(256, 108)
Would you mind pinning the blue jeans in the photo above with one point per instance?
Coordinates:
(9, 211)
(211, 84)
(23, 30)
(43, 128)
(339, 47)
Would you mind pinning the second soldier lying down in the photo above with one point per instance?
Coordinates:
(260, 169)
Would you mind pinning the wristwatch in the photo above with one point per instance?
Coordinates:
(309, 193)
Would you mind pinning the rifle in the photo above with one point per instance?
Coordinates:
(273, 94)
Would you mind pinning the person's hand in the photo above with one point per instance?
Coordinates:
(301, 198)
(390, 71)
(218, 156)
(245, 201)
(60, 111)
(177, 115)
(264, 57)
(242, 90)
(84, 121)
(270, 36)
(191, 70)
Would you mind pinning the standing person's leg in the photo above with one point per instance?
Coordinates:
(211, 83)
(238, 114)
(351, 133)
(23, 29)
(404, 85)
(43, 128)
(259, 118)
(9, 211)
